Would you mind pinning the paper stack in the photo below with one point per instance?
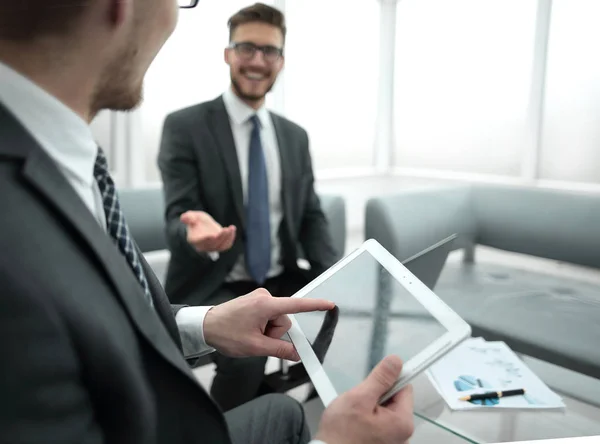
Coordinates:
(477, 366)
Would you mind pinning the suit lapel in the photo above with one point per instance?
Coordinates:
(43, 174)
(221, 130)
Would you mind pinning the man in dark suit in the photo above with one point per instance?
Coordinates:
(239, 192)
(92, 351)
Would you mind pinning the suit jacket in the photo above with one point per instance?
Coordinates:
(85, 359)
(200, 171)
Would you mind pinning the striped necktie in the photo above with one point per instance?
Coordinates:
(115, 221)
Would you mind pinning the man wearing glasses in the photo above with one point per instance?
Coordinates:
(239, 193)
(92, 351)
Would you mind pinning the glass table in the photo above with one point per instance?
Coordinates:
(581, 417)
(376, 317)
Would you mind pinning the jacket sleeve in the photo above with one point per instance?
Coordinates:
(44, 397)
(315, 236)
(178, 167)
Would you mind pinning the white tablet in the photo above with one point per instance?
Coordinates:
(381, 309)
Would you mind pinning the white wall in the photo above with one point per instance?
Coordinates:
(331, 78)
(465, 73)
(571, 133)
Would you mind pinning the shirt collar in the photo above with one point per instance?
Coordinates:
(239, 112)
(63, 134)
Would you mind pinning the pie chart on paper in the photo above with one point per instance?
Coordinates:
(467, 382)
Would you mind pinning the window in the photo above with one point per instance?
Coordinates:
(331, 78)
(189, 69)
(463, 73)
(571, 129)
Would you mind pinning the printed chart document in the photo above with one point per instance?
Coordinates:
(477, 366)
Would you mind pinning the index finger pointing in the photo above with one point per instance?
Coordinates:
(282, 306)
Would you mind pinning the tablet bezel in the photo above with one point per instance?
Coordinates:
(457, 329)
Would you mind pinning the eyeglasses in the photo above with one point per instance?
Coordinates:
(187, 3)
(247, 50)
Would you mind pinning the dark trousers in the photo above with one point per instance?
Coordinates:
(270, 419)
(237, 380)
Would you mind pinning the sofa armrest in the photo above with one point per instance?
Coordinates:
(334, 207)
(409, 221)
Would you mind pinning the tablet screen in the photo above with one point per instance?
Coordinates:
(374, 316)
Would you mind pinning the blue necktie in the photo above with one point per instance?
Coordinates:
(258, 227)
(115, 221)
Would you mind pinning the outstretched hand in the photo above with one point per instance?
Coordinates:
(252, 325)
(205, 234)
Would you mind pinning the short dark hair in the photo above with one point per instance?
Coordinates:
(25, 20)
(258, 12)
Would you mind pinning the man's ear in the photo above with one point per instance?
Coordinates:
(226, 55)
(119, 10)
(280, 65)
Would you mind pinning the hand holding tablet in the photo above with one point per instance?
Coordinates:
(356, 417)
(381, 309)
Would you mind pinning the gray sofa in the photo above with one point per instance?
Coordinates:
(553, 318)
(144, 212)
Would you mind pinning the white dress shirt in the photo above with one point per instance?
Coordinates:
(239, 115)
(68, 140)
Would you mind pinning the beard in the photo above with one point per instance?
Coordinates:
(118, 88)
(249, 96)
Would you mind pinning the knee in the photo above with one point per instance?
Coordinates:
(282, 402)
(289, 411)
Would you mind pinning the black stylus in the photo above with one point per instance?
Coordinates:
(491, 395)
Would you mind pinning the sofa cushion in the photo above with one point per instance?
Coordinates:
(554, 318)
